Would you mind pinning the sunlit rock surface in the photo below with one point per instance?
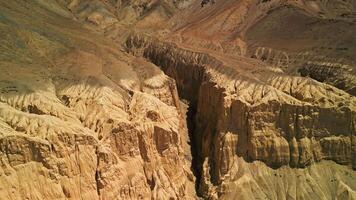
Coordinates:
(162, 99)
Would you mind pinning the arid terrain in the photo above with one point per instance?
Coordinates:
(178, 99)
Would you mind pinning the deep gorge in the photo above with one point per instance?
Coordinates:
(211, 123)
(156, 100)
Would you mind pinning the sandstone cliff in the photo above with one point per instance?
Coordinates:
(162, 99)
(79, 119)
(250, 111)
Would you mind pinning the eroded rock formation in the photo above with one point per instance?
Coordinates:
(253, 112)
(96, 99)
(81, 120)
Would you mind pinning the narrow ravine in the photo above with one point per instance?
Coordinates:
(190, 120)
(188, 76)
(226, 125)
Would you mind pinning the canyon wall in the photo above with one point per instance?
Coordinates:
(171, 100)
(254, 114)
(79, 119)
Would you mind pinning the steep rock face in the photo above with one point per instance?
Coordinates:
(252, 112)
(79, 119)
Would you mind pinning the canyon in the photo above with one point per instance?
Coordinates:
(158, 99)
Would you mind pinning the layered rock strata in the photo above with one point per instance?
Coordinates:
(250, 111)
(82, 119)
(79, 119)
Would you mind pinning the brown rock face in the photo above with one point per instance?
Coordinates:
(80, 119)
(254, 113)
(170, 100)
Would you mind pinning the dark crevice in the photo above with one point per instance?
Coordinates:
(34, 110)
(97, 182)
(188, 69)
(151, 183)
(65, 100)
(191, 113)
(97, 175)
